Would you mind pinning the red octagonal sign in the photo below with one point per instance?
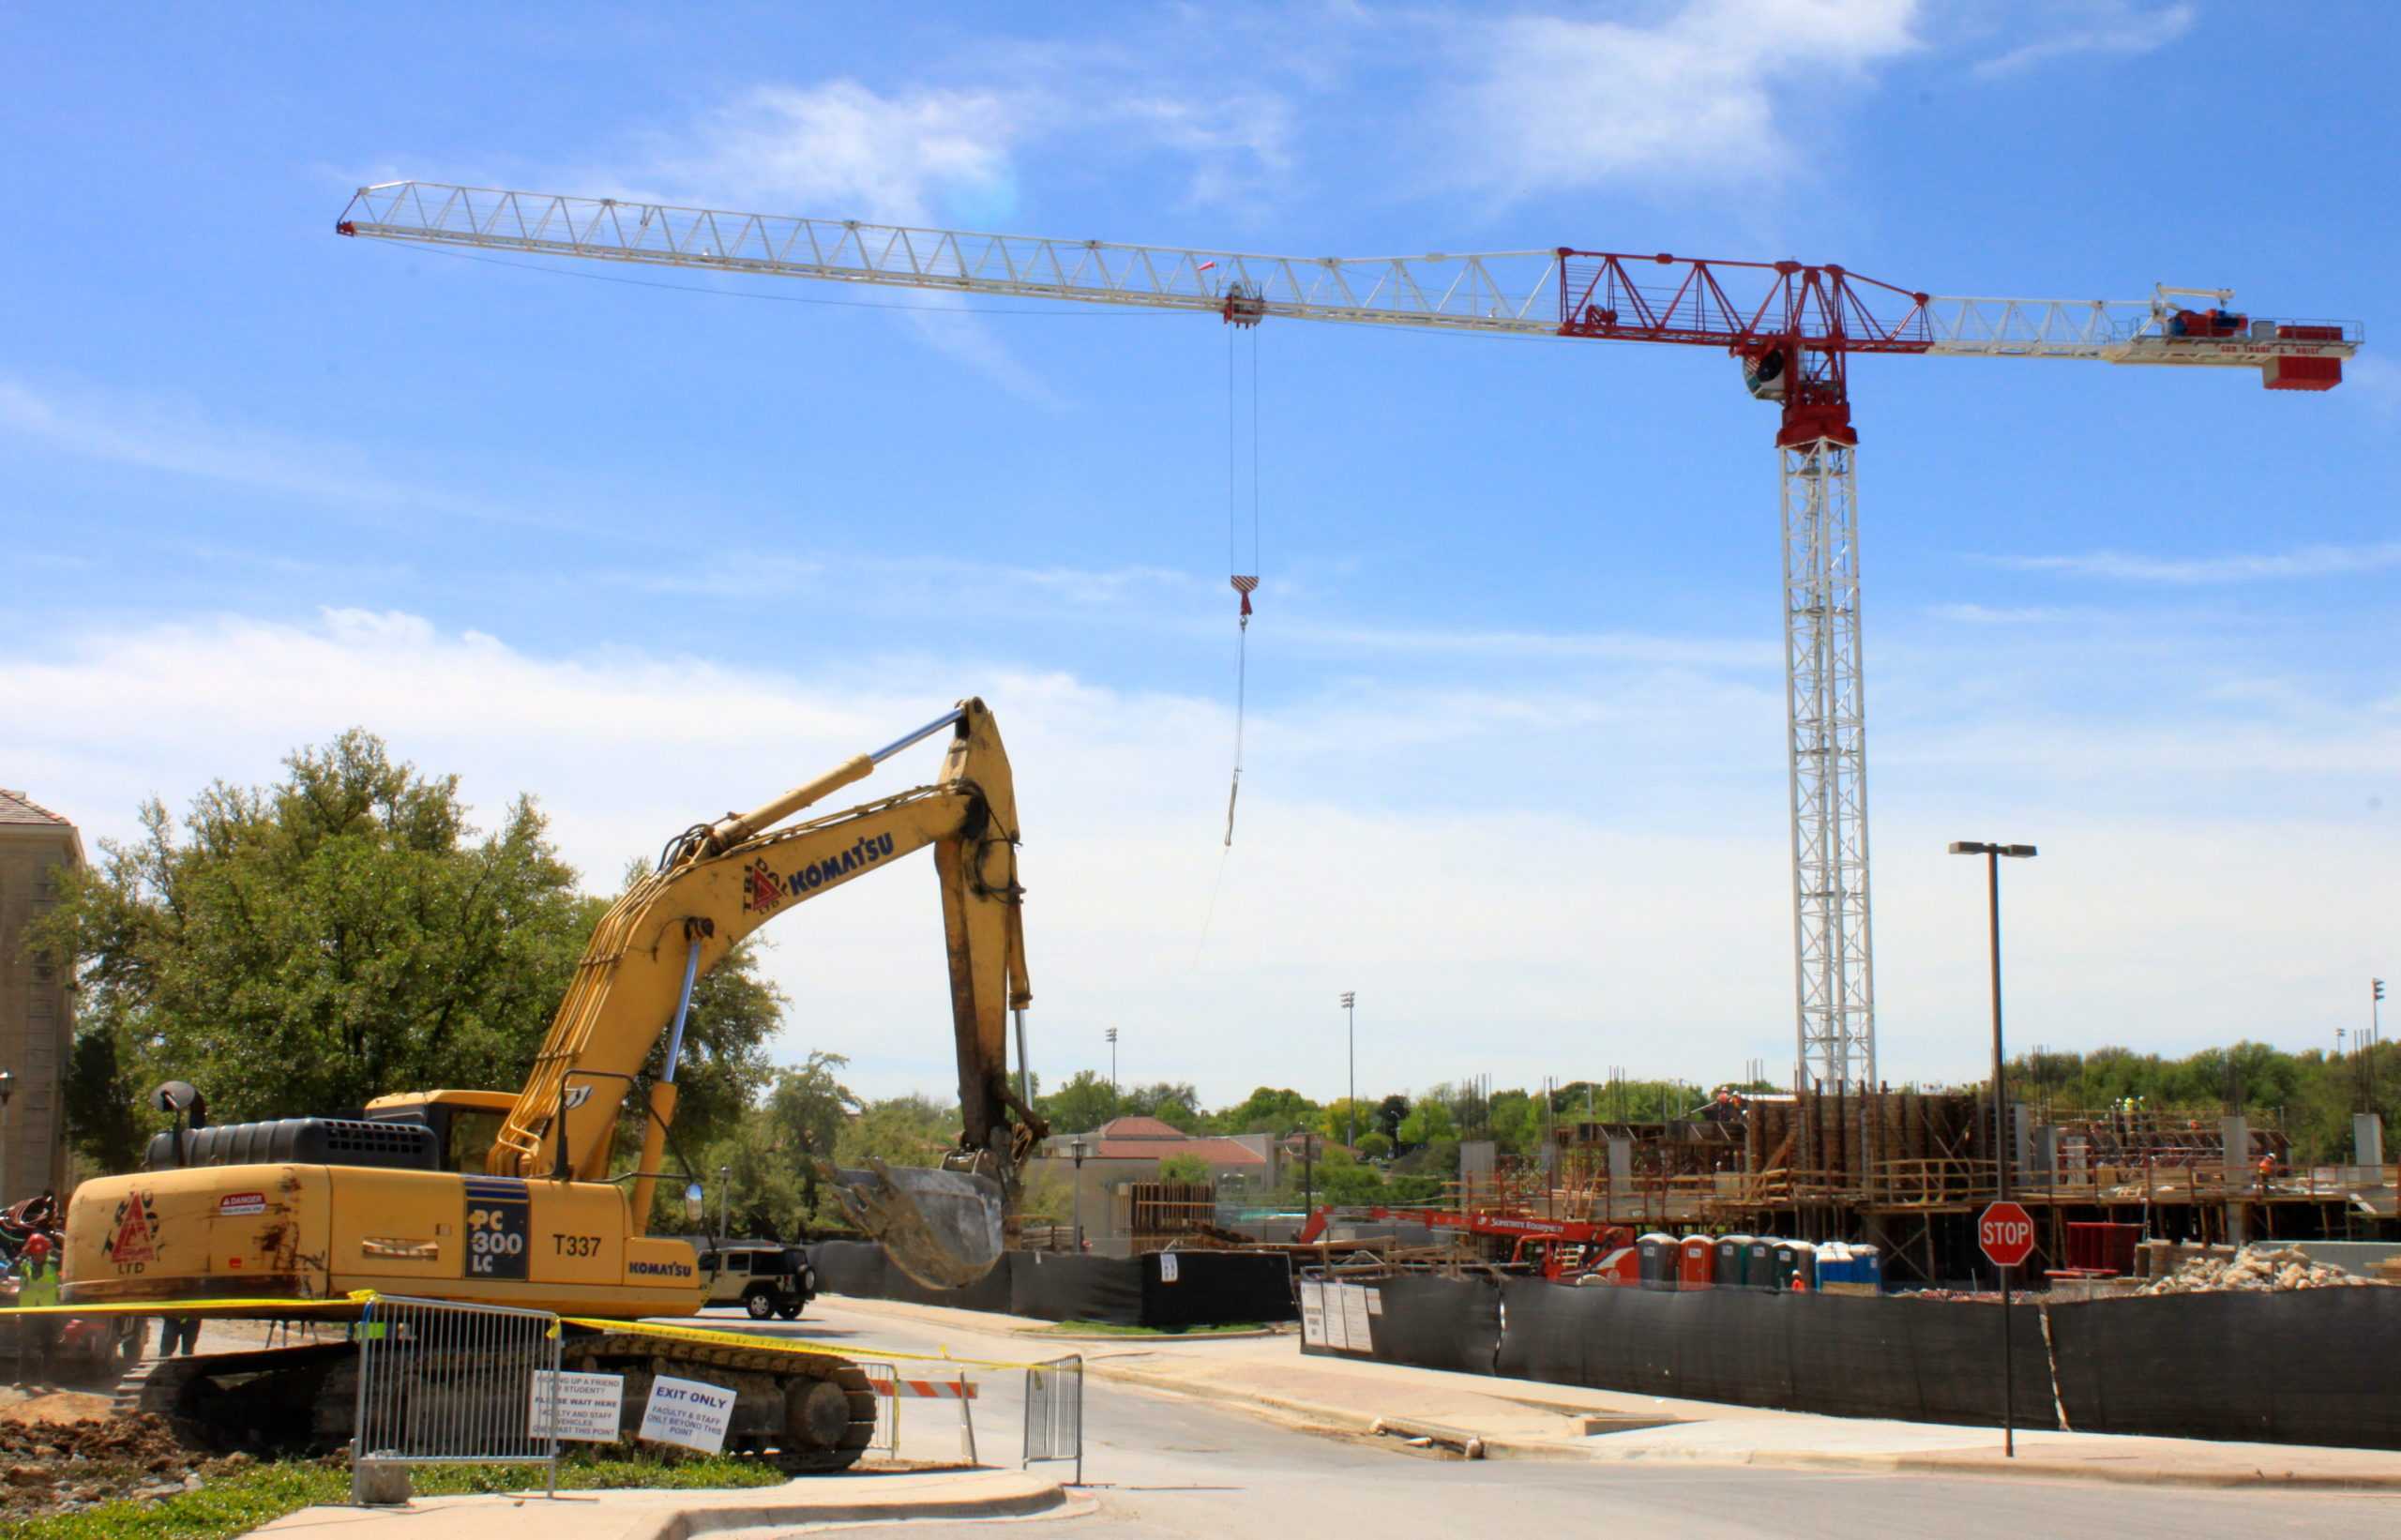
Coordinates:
(2006, 1233)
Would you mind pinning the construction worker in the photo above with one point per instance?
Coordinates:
(37, 1289)
(2267, 1170)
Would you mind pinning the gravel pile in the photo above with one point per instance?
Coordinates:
(48, 1467)
(2256, 1269)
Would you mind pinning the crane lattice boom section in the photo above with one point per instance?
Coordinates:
(1555, 292)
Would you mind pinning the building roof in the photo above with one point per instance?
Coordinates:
(1209, 1152)
(1140, 1127)
(17, 808)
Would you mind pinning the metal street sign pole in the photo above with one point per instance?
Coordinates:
(2001, 1153)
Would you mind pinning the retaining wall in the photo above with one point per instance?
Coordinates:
(2308, 1366)
(1208, 1289)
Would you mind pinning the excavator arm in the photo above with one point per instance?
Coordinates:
(716, 885)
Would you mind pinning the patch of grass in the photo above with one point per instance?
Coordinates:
(240, 1501)
(1110, 1328)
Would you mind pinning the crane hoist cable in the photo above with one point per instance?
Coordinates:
(1244, 583)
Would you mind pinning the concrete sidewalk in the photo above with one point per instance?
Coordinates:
(1526, 1419)
(635, 1515)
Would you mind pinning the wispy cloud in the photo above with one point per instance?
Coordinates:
(1986, 614)
(2315, 561)
(2090, 27)
(123, 429)
(1560, 103)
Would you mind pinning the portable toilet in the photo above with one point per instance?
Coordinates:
(1658, 1254)
(1759, 1263)
(1733, 1258)
(1834, 1266)
(1796, 1264)
(1868, 1268)
(1696, 1262)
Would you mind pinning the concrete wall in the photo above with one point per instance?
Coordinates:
(36, 1022)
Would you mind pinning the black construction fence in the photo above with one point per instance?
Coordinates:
(2307, 1367)
(1162, 1289)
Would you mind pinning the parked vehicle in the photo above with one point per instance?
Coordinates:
(764, 1277)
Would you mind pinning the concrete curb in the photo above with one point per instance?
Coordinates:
(1318, 1417)
(684, 1523)
(1039, 1334)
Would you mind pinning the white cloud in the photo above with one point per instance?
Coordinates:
(2315, 561)
(183, 439)
(2091, 27)
(1691, 99)
(1482, 866)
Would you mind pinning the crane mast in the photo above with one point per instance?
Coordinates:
(1791, 326)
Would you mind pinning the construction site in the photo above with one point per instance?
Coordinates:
(383, 1144)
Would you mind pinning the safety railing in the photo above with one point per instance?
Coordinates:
(884, 1378)
(446, 1383)
(1054, 1412)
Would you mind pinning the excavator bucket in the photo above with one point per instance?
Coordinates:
(941, 1228)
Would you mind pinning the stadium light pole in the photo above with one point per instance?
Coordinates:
(1992, 854)
(1113, 1061)
(1351, 1038)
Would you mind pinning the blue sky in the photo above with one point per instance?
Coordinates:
(1515, 767)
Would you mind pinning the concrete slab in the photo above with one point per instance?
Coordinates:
(678, 1516)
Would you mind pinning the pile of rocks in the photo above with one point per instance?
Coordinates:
(2257, 1269)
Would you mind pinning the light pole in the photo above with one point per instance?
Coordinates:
(1113, 1061)
(724, 1200)
(1351, 1037)
(1992, 854)
(1077, 1149)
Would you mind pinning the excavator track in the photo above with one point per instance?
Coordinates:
(804, 1413)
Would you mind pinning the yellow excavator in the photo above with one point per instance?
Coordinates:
(508, 1198)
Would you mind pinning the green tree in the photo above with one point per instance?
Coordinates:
(1183, 1168)
(899, 1131)
(1081, 1105)
(1389, 1113)
(1374, 1145)
(1268, 1109)
(1175, 1103)
(302, 947)
(1430, 1119)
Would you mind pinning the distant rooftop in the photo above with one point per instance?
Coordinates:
(17, 808)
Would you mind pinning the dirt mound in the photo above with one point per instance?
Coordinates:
(59, 1467)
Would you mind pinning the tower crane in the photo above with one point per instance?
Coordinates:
(1791, 326)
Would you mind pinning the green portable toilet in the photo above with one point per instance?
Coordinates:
(1733, 1260)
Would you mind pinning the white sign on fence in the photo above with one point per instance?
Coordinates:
(687, 1412)
(1338, 1320)
(588, 1406)
(1354, 1317)
(1312, 1313)
(1167, 1268)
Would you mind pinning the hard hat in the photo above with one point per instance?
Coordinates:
(38, 1246)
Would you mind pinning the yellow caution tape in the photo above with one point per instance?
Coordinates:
(238, 1308)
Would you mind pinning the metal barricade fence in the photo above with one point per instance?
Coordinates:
(885, 1379)
(1054, 1412)
(441, 1383)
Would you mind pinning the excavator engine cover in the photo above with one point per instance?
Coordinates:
(942, 1228)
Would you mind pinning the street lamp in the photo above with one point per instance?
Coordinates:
(1351, 1034)
(724, 1200)
(1992, 854)
(1113, 1061)
(1077, 1149)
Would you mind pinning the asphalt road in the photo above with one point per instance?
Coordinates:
(1166, 1466)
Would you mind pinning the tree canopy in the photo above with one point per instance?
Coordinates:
(302, 947)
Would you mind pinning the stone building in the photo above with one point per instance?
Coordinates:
(36, 1020)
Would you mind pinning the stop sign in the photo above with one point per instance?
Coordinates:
(2006, 1233)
